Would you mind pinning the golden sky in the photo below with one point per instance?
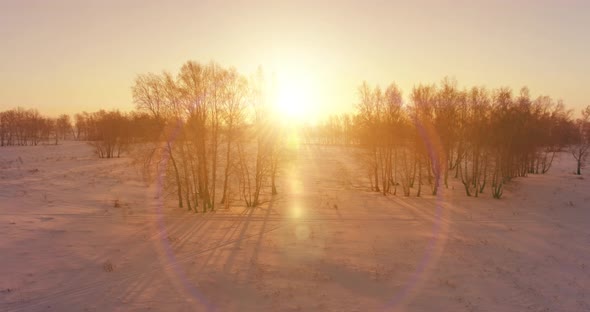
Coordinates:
(68, 56)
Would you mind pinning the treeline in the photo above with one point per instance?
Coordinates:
(220, 141)
(335, 130)
(212, 131)
(482, 137)
(110, 133)
(21, 126)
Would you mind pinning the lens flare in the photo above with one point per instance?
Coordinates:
(440, 227)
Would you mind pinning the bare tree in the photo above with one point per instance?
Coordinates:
(581, 146)
(111, 131)
(234, 114)
(219, 128)
(63, 126)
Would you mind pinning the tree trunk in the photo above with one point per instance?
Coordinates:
(177, 176)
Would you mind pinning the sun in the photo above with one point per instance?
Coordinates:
(295, 98)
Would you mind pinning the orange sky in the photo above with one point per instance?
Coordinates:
(68, 56)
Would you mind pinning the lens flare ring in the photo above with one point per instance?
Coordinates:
(432, 142)
(187, 285)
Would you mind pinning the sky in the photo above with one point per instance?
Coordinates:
(69, 56)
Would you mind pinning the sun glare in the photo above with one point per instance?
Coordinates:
(295, 98)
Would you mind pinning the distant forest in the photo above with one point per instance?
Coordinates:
(212, 134)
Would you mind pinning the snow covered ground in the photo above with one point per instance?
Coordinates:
(324, 244)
